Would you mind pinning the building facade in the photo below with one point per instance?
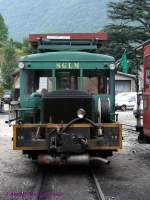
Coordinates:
(125, 82)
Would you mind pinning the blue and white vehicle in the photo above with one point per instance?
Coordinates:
(7, 96)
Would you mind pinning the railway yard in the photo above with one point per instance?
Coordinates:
(126, 177)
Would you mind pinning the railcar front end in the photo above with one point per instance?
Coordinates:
(67, 107)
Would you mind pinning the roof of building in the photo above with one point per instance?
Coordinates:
(127, 75)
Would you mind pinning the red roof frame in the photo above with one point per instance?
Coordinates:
(102, 36)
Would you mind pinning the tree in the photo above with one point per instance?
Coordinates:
(26, 48)
(134, 15)
(3, 30)
(10, 52)
(8, 65)
(130, 27)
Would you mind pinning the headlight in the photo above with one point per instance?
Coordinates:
(112, 66)
(21, 65)
(81, 113)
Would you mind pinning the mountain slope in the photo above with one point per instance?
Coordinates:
(23, 17)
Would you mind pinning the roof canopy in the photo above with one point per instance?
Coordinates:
(67, 56)
(67, 60)
(67, 41)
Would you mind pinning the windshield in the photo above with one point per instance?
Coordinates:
(148, 76)
(126, 98)
(67, 80)
(122, 98)
(37, 81)
(94, 82)
(7, 92)
(148, 72)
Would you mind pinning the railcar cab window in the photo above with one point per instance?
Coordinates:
(148, 72)
(38, 81)
(94, 82)
(67, 80)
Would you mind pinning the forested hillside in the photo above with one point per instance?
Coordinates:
(23, 17)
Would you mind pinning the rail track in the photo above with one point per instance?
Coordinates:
(131, 129)
(71, 183)
(62, 183)
(99, 191)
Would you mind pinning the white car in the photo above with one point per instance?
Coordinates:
(126, 100)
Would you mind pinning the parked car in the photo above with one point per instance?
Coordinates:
(125, 100)
(7, 96)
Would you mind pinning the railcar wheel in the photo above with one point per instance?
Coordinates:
(123, 108)
(143, 139)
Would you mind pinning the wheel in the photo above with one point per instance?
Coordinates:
(123, 108)
(143, 139)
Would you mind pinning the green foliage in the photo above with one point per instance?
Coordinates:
(17, 45)
(26, 48)
(130, 27)
(9, 51)
(9, 65)
(1, 90)
(134, 16)
(3, 30)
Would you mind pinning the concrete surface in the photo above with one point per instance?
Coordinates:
(128, 175)
(126, 178)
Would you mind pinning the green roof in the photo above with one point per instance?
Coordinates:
(67, 56)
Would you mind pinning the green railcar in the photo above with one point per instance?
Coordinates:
(67, 101)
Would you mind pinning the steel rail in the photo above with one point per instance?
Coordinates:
(128, 125)
(130, 130)
(144, 149)
(99, 191)
(39, 184)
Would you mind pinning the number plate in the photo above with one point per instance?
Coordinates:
(68, 65)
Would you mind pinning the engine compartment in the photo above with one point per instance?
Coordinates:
(62, 106)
